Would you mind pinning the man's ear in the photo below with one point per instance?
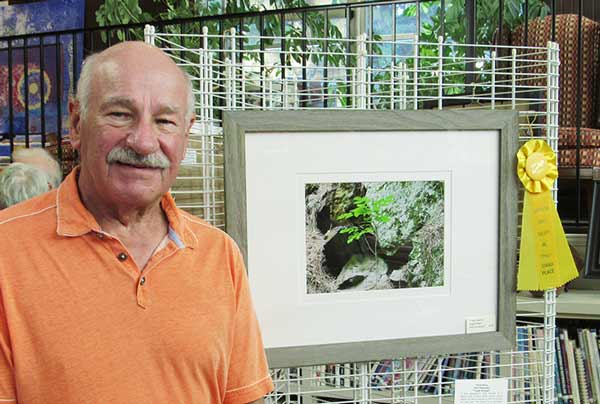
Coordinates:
(75, 123)
(187, 134)
(190, 124)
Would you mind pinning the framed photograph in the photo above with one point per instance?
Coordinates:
(375, 234)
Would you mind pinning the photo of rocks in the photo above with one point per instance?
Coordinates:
(363, 236)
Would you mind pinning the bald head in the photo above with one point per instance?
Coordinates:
(128, 55)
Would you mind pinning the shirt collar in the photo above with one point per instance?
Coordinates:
(73, 219)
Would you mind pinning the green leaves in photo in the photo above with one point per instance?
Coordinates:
(365, 216)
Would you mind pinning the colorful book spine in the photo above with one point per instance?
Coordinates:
(594, 362)
(581, 377)
(557, 386)
(563, 354)
(581, 339)
(572, 371)
(457, 374)
(561, 388)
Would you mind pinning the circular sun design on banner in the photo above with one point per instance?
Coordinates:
(34, 88)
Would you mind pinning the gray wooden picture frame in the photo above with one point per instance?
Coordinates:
(238, 124)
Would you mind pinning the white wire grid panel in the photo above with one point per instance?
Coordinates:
(418, 380)
(243, 72)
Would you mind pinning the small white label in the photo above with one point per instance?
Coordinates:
(480, 324)
(492, 391)
(189, 158)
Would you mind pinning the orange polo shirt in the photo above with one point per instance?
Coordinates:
(79, 322)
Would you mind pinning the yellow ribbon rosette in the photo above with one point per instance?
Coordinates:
(545, 260)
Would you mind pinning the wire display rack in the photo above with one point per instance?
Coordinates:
(233, 71)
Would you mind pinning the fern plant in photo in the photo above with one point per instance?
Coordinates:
(365, 218)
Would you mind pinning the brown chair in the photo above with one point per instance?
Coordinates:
(539, 32)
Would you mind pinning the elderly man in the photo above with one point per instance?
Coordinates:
(20, 182)
(121, 297)
(41, 159)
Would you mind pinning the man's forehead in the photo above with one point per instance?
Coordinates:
(125, 101)
(115, 83)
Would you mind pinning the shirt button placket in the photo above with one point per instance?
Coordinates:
(142, 298)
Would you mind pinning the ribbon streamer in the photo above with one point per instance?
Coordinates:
(545, 260)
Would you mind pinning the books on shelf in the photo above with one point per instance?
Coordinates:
(578, 367)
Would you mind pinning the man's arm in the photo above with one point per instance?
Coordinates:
(7, 378)
(248, 378)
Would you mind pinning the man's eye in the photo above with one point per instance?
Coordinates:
(165, 122)
(119, 114)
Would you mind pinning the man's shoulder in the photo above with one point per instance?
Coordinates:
(202, 229)
(31, 211)
(199, 225)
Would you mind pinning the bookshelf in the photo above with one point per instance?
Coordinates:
(577, 347)
(574, 304)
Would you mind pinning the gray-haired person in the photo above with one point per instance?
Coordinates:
(41, 159)
(19, 182)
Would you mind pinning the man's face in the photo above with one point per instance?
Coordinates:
(137, 103)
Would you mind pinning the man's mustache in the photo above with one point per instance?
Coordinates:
(126, 155)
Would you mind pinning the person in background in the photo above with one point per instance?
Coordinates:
(20, 182)
(119, 296)
(40, 158)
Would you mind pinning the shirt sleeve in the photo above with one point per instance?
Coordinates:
(248, 378)
(7, 381)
